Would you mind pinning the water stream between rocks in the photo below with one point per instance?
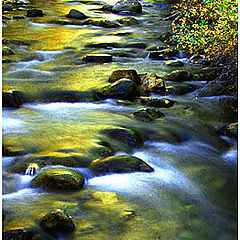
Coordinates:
(191, 194)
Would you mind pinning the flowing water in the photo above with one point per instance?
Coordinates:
(192, 192)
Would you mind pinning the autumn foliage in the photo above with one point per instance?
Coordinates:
(207, 28)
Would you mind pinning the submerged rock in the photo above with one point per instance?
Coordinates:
(147, 114)
(178, 76)
(129, 21)
(101, 23)
(13, 98)
(156, 102)
(129, 74)
(119, 164)
(58, 179)
(122, 138)
(57, 223)
(151, 82)
(121, 89)
(20, 234)
(128, 6)
(76, 14)
(34, 13)
(97, 58)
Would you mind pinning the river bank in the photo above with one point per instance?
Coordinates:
(100, 94)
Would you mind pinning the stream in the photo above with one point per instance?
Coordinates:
(192, 192)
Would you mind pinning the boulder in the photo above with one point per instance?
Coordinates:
(34, 13)
(13, 98)
(178, 76)
(151, 82)
(127, 6)
(101, 23)
(123, 136)
(119, 164)
(57, 223)
(121, 89)
(129, 74)
(7, 51)
(129, 21)
(58, 179)
(156, 102)
(147, 114)
(76, 14)
(97, 58)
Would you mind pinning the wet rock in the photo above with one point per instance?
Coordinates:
(107, 8)
(174, 63)
(58, 179)
(18, 17)
(156, 102)
(129, 74)
(101, 23)
(230, 130)
(121, 89)
(127, 6)
(120, 138)
(180, 89)
(34, 13)
(151, 82)
(164, 54)
(163, 36)
(23, 2)
(97, 58)
(147, 114)
(13, 98)
(134, 45)
(129, 21)
(178, 76)
(102, 151)
(7, 51)
(119, 164)
(6, 8)
(76, 22)
(56, 223)
(19, 234)
(106, 45)
(5, 18)
(76, 14)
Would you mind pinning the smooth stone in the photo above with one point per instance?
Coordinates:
(76, 14)
(34, 13)
(56, 223)
(129, 74)
(97, 58)
(124, 89)
(151, 82)
(147, 114)
(119, 164)
(156, 102)
(58, 179)
(130, 6)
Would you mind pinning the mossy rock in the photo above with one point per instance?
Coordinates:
(156, 102)
(129, 21)
(122, 139)
(102, 23)
(76, 14)
(127, 6)
(178, 76)
(119, 164)
(147, 114)
(56, 223)
(13, 98)
(129, 74)
(58, 179)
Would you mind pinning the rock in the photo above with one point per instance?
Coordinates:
(178, 76)
(76, 22)
(230, 130)
(151, 82)
(107, 8)
(21, 2)
(128, 6)
(174, 63)
(156, 102)
(34, 13)
(179, 89)
(18, 17)
(97, 58)
(129, 21)
(101, 23)
(58, 179)
(76, 14)
(129, 138)
(119, 164)
(164, 54)
(163, 36)
(6, 8)
(19, 234)
(129, 74)
(121, 89)
(56, 223)
(107, 45)
(147, 114)
(13, 98)
(7, 51)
